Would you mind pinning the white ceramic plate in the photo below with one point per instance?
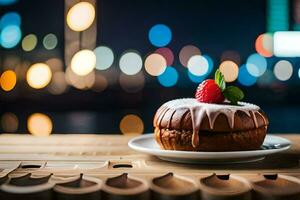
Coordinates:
(147, 144)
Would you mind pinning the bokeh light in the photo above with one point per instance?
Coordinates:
(29, 42)
(38, 75)
(210, 64)
(155, 64)
(55, 64)
(131, 63)
(230, 70)
(81, 16)
(299, 72)
(80, 82)
(83, 62)
(10, 36)
(187, 52)
(100, 83)
(8, 80)
(198, 65)
(160, 35)
(167, 54)
(256, 65)
(10, 18)
(266, 79)
(7, 2)
(39, 124)
(169, 78)
(245, 78)
(58, 83)
(231, 55)
(264, 44)
(283, 70)
(196, 79)
(50, 41)
(104, 57)
(131, 124)
(132, 84)
(9, 122)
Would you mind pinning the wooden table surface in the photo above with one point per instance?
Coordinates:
(104, 151)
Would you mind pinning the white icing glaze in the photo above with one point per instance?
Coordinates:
(199, 110)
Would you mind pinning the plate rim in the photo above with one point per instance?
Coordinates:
(176, 153)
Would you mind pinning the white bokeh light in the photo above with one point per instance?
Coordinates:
(83, 62)
(283, 70)
(104, 57)
(198, 65)
(131, 63)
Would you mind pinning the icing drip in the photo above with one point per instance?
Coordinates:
(200, 110)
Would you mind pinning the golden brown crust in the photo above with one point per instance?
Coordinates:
(208, 141)
(180, 119)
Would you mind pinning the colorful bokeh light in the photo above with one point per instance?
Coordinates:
(198, 65)
(104, 57)
(131, 124)
(167, 53)
(245, 78)
(160, 35)
(8, 80)
(155, 64)
(38, 75)
(187, 52)
(81, 16)
(83, 62)
(131, 63)
(283, 70)
(169, 78)
(10, 18)
(29, 42)
(39, 124)
(256, 65)
(50, 41)
(230, 70)
(264, 45)
(10, 36)
(196, 79)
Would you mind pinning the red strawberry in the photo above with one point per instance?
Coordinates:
(209, 92)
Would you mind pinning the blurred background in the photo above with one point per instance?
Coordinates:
(105, 66)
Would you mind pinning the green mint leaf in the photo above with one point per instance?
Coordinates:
(219, 79)
(233, 94)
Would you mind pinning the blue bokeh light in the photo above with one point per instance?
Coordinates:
(160, 35)
(10, 36)
(210, 64)
(299, 72)
(169, 78)
(10, 18)
(245, 78)
(7, 2)
(256, 65)
(196, 79)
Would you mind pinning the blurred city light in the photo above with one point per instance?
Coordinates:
(10, 18)
(245, 78)
(10, 36)
(285, 44)
(264, 45)
(55, 64)
(131, 124)
(83, 62)
(155, 64)
(160, 35)
(29, 42)
(81, 16)
(58, 84)
(100, 83)
(198, 65)
(9, 122)
(39, 124)
(132, 84)
(283, 70)
(230, 70)
(169, 78)
(196, 79)
(50, 41)
(38, 75)
(131, 63)
(80, 82)
(256, 65)
(8, 80)
(186, 53)
(104, 57)
(167, 53)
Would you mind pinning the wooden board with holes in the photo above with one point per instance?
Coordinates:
(102, 166)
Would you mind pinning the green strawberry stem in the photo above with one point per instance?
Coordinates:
(231, 93)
